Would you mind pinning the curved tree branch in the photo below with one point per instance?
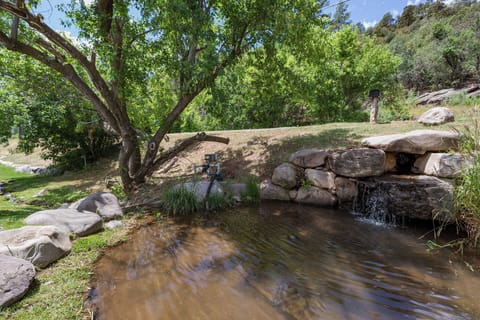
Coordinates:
(66, 70)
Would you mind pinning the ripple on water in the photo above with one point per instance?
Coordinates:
(280, 262)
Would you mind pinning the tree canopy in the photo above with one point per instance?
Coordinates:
(182, 46)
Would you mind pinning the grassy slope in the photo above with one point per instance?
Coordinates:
(59, 290)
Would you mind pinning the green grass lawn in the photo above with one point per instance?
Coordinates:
(59, 290)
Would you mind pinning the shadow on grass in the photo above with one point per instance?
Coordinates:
(12, 217)
(273, 152)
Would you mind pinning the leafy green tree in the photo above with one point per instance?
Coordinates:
(51, 114)
(341, 16)
(128, 43)
(327, 81)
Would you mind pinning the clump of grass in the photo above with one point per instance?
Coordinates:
(252, 191)
(179, 200)
(218, 201)
(462, 99)
(466, 193)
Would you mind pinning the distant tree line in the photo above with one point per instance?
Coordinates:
(439, 44)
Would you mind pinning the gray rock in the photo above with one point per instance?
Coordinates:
(316, 196)
(70, 220)
(416, 142)
(285, 176)
(437, 96)
(437, 115)
(41, 245)
(16, 276)
(345, 189)
(238, 189)
(321, 179)
(270, 191)
(444, 165)
(113, 224)
(293, 194)
(104, 203)
(309, 158)
(358, 163)
(419, 197)
(200, 188)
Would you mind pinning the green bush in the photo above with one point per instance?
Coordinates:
(461, 99)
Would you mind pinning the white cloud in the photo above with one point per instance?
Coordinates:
(369, 24)
(413, 2)
(395, 13)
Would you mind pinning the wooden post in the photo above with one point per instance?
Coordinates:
(374, 110)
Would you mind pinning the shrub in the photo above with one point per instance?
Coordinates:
(461, 99)
(179, 200)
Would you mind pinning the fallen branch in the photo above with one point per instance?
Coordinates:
(182, 146)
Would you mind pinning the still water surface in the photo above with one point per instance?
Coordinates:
(282, 261)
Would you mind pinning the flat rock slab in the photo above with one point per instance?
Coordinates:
(41, 245)
(16, 276)
(70, 220)
(415, 142)
(444, 165)
(418, 197)
(321, 179)
(437, 115)
(358, 163)
(309, 158)
(105, 204)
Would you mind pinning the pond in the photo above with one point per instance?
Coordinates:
(282, 261)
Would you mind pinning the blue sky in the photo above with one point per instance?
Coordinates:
(367, 12)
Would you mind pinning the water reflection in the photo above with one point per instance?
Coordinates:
(281, 261)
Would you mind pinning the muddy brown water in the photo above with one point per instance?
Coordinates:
(282, 261)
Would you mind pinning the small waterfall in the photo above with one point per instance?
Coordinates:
(373, 203)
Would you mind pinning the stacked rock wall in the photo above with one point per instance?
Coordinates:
(414, 170)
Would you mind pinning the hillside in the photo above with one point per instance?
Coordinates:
(438, 44)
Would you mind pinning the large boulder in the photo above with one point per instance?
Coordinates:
(416, 142)
(419, 197)
(200, 188)
(104, 203)
(41, 245)
(358, 163)
(270, 191)
(285, 176)
(321, 179)
(16, 276)
(70, 220)
(437, 115)
(445, 165)
(316, 196)
(309, 158)
(345, 189)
